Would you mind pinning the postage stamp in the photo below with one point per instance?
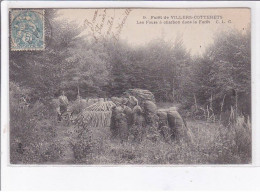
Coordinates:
(27, 29)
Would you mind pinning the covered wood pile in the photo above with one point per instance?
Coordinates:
(141, 95)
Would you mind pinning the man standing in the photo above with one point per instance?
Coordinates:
(63, 102)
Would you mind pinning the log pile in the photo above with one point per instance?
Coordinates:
(141, 95)
(98, 114)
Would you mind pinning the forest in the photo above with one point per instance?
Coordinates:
(212, 92)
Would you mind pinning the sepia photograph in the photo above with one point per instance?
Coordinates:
(130, 86)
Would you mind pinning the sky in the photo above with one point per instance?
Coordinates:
(138, 27)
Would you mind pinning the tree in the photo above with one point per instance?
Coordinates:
(224, 71)
(43, 71)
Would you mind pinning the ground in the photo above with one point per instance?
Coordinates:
(47, 141)
(212, 145)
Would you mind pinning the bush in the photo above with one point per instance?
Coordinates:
(32, 132)
(32, 140)
(83, 146)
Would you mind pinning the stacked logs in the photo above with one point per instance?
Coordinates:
(137, 122)
(141, 95)
(98, 114)
(127, 118)
(133, 117)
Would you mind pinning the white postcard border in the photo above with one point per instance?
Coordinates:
(137, 177)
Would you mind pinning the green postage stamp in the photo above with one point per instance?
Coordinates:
(27, 29)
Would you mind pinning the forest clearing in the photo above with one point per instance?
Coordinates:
(213, 144)
(100, 101)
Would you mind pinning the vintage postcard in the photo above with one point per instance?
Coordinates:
(135, 86)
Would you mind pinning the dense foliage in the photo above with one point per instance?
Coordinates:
(82, 66)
